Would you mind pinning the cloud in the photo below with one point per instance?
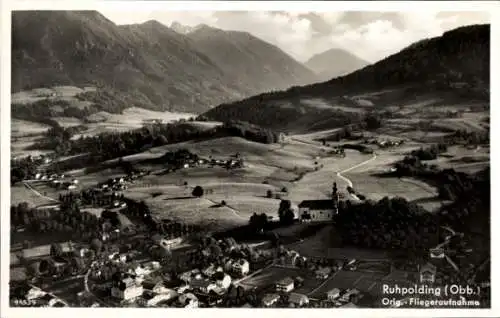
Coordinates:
(370, 35)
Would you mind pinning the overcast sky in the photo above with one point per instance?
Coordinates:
(369, 35)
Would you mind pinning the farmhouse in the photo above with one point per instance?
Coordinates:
(126, 289)
(319, 210)
(168, 243)
(285, 285)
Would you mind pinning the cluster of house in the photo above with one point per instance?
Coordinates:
(211, 281)
(235, 161)
(115, 184)
(338, 151)
(385, 143)
(36, 297)
(43, 159)
(57, 181)
(284, 293)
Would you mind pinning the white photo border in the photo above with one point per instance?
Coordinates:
(7, 6)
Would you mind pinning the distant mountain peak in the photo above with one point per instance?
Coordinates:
(153, 23)
(335, 62)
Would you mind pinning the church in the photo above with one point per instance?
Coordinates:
(319, 210)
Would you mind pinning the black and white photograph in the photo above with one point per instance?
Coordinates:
(247, 157)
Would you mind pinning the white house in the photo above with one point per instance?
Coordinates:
(127, 289)
(285, 285)
(270, 299)
(156, 299)
(169, 243)
(241, 267)
(222, 280)
(333, 294)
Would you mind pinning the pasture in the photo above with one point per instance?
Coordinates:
(176, 202)
(198, 211)
(326, 243)
(19, 193)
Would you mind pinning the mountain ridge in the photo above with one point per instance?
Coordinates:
(147, 65)
(453, 66)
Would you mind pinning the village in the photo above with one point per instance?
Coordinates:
(154, 268)
(137, 259)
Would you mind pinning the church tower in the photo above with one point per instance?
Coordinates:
(335, 198)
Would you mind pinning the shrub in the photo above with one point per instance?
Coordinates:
(198, 191)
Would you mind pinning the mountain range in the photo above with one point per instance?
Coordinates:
(146, 65)
(334, 63)
(454, 67)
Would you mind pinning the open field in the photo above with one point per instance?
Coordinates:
(19, 193)
(24, 127)
(375, 188)
(197, 211)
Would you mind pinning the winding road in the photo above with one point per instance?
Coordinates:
(349, 182)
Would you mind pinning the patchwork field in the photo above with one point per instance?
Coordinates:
(21, 128)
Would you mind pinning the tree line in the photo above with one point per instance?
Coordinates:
(108, 146)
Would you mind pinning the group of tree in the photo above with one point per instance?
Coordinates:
(285, 212)
(108, 145)
(43, 110)
(259, 222)
(402, 225)
(464, 137)
(249, 131)
(139, 211)
(58, 138)
(451, 184)
(388, 224)
(68, 220)
(429, 153)
(90, 197)
(23, 168)
(198, 192)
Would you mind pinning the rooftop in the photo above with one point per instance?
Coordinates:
(297, 298)
(316, 204)
(286, 281)
(270, 297)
